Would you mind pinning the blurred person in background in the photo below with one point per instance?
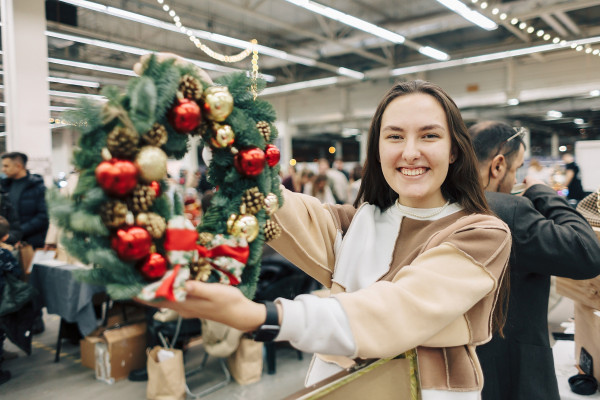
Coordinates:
(320, 189)
(573, 179)
(355, 180)
(338, 164)
(337, 181)
(539, 172)
(292, 180)
(306, 177)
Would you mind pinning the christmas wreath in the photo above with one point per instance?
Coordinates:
(120, 220)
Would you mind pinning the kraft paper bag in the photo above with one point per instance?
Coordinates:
(246, 363)
(166, 374)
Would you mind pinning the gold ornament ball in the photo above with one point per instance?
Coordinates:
(152, 164)
(224, 136)
(218, 103)
(142, 219)
(271, 203)
(244, 226)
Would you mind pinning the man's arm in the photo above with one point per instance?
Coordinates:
(552, 238)
(40, 220)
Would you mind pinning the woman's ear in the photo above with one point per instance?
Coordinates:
(453, 155)
(498, 166)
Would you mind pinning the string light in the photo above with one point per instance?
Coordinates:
(251, 50)
(540, 32)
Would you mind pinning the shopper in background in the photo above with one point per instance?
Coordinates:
(573, 179)
(549, 238)
(320, 189)
(537, 171)
(27, 194)
(355, 180)
(338, 165)
(292, 180)
(306, 178)
(8, 265)
(337, 181)
(421, 260)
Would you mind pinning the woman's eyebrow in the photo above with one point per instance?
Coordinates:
(431, 126)
(392, 128)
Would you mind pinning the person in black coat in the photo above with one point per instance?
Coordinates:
(8, 211)
(27, 194)
(549, 238)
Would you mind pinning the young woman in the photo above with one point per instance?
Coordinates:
(417, 262)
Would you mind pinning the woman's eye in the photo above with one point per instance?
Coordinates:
(431, 136)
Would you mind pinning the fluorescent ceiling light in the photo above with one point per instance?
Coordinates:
(349, 20)
(74, 95)
(554, 114)
(434, 53)
(368, 27)
(470, 15)
(138, 51)
(350, 73)
(60, 109)
(93, 67)
(512, 102)
(594, 93)
(200, 34)
(74, 82)
(301, 85)
(489, 57)
(579, 121)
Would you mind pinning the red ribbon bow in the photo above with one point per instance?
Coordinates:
(185, 240)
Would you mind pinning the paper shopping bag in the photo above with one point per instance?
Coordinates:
(166, 374)
(246, 363)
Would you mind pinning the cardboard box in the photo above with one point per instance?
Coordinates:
(587, 334)
(125, 346)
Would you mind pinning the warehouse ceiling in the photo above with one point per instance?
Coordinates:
(302, 45)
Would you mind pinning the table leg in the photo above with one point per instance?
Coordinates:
(59, 341)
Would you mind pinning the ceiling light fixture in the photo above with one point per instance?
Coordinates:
(93, 67)
(488, 57)
(349, 20)
(300, 85)
(470, 15)
(579, 121)
(554, 114)
(74, 82)
(213, 37)
(512, 102)
(368, 27)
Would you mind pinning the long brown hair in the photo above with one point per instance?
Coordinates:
(462, 184)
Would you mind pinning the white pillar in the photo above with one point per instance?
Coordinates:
(554, 145)
(25, 63)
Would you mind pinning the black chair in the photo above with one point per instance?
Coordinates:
(280, 278)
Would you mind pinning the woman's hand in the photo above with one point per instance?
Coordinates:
(217, 302)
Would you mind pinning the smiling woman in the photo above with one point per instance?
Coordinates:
(417, 263)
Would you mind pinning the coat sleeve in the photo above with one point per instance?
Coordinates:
(432, 294)
(39, 221)
(552, 238)
(309, 234)
(15, 234)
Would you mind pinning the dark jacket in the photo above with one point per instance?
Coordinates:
(9, 212)
(549, 238)
(33, 213)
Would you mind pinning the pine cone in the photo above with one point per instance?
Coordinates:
(205, 238)
(253, 199)
(200, 270)
(265, 129)
(122, 142)
(157, 136)
(190, 87)
(154, 224)
(272, 230)
(142, 198)
(113, 213)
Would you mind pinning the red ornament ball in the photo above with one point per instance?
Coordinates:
(153, 267)
(272, 154)
(250, 162)
(117, 177)
(185, 116)
(132, 243)
(156, 187)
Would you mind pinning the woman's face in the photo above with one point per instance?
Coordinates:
(415, 149)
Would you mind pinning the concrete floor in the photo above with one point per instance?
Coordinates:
(39, 377)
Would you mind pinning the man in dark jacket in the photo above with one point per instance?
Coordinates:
(8, 211)
(27, 194)
(549, 238)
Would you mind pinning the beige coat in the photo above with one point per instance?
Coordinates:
(438, 294)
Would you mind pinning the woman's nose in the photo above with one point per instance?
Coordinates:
(411, 150)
